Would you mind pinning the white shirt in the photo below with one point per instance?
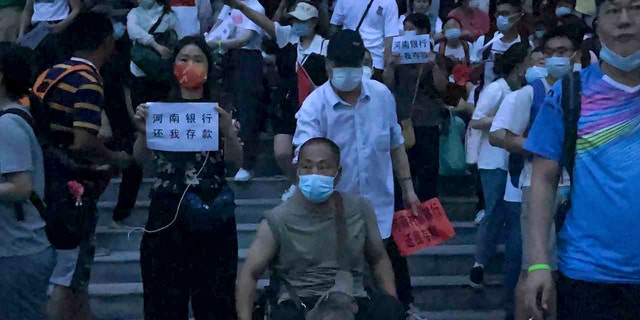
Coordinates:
(488, 104)
(49, 10)
(284, 37)
(498, 47)
(139, 21)
(404, 17)
(453, 53)
(381, 22)
(191, 14)
(514, 115)
(366, 133)
(243, 23)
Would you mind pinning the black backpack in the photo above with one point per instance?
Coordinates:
(66, 216)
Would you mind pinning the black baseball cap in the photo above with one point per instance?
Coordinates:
(346, 48)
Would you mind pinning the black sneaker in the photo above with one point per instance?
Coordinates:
(477, 277)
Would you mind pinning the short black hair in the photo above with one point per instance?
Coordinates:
(420, 20)
(514, 56)
(335, 150)
(514, 3)
(564, 31)
(346, 49)
(88, 31)
(15, 66)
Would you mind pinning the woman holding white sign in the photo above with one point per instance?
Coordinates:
(189, 249)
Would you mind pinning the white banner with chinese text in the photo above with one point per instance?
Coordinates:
(182, 127)
(412, 49)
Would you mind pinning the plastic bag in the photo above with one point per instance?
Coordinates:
(452, 151)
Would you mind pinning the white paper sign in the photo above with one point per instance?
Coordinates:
(223, 32)
(412, 49)
(182, 127)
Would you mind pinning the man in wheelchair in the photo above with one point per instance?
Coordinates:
(319, 244)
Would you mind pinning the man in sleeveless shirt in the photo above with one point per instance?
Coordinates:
(299, 240)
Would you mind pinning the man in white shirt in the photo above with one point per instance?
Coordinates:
(360, 117)
(510, 128)
(509, 14)
(245, 61)
(377, 22)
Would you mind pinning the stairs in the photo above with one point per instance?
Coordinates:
(439, 274)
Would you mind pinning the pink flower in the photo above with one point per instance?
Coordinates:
(76, 189)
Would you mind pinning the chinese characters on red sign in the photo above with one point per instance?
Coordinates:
(429, 228)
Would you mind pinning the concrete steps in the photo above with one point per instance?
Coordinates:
(443, 293)
(124, 239)
(443, 260)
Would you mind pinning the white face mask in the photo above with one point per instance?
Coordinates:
(367, 72)
(346, 79)
(410, 33)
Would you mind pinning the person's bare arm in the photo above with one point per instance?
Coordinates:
(544, 185)
(17, 188)
(388, 42)
(514, 143)
(482, 124)
(234, 43)
(496, 138)
(389, 73)
(375, 253)
(25, 20)
(232, 147)
(400, 162)
(89, 145)
(74, 10)
(440, 77)
(262, 251)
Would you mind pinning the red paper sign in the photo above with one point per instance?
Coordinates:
(430, 228)
(305, 85)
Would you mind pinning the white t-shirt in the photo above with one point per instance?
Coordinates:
(243, 23)
(491, 97)
(514, 115)
(381, 22)
(284, 37)
(498, 47)
(453, 53)
(190, 13)
(438, 27)
(49, 10)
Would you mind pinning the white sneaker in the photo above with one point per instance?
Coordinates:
(289, 192)
(242, 176)
(479, 217)
(414, 313)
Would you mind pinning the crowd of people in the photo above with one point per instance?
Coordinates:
(546, 94)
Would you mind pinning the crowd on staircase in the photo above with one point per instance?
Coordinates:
(372, 105)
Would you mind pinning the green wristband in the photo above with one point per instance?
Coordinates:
(540, 266)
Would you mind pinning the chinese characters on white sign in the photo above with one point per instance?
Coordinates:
(182, 127)
(412, 49)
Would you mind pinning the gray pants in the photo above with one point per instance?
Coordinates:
(23, 285)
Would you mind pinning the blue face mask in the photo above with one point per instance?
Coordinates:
(346, 79)
(558, 67)
(503, 24)
(453, 33)
(534, 73)
(563, 11)
(540, 33)
(300, 29)
(118, 30)
(619, 62)
(315, 187)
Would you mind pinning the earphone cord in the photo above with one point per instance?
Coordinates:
(177, 209)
